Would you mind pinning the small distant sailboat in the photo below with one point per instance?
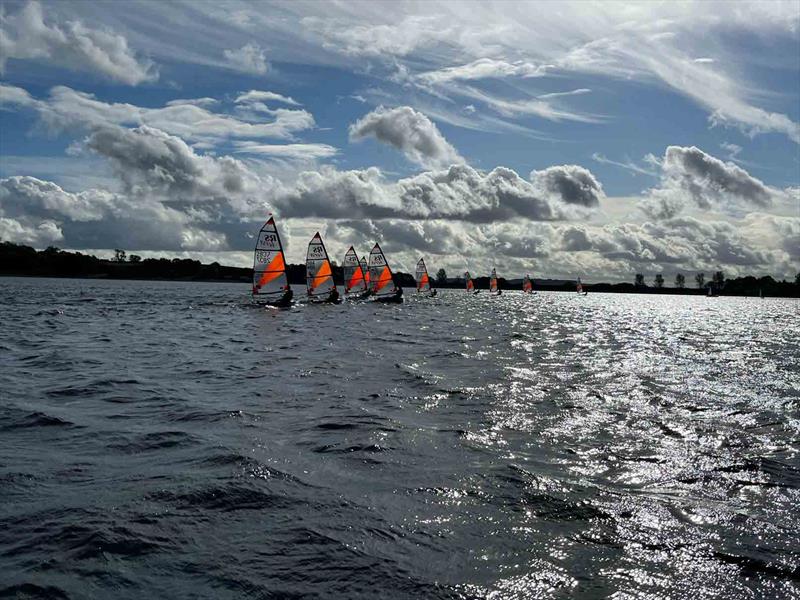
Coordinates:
(527, 284)
(270, 284)
(319, 274)
(494, 284)
(423, 281)
(470, 284)
(355, 282)
(579, 288)
(365, 270)
(383, 286)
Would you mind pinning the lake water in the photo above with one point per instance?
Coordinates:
(168, 440)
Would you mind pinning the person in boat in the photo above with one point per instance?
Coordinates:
(284, 300)
(433, 292)
(334, 296)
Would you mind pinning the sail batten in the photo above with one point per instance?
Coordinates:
(269, 265)
(319, 273)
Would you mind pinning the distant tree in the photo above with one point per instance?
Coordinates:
(659, 280)
(639, 280)
(797, 279)
(134, 258)
(719, 280)
(700, 278)
(441, 276)
(680, 281)
(119, 255)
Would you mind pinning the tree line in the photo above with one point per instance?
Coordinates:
(17, 259)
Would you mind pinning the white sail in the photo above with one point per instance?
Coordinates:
(269, 266)
(354, 281)
(494, 286)
(380, 274)
(579, 286)
(319, 274)
(421, 275)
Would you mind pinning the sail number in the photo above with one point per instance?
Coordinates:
(268, 240)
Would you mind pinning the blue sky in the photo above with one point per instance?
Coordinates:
(564, 139)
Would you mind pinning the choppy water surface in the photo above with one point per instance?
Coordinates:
(169, 440)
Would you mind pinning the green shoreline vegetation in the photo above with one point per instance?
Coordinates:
(20, 260)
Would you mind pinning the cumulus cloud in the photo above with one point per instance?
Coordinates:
(250, 58)
(409, 131)
(26, 35)
(38, 235)
(689, 174)
(569, 183)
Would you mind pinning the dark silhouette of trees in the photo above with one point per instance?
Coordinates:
(680, 281)
(639, 280)
(441, 276)
(719, 280)
(659, 280)
(700, 279)
(119, 255)
(134, 258)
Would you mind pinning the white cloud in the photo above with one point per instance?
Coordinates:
(410, 132)
(265, 96)
(194, 102)
(67, 108)
(308, 152)
(250, 58)
(569, 183)
(688, 173)
(25, 35)
(39, 235)
(484, 68)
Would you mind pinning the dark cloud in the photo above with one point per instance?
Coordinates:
(569, 183)
(409, 131)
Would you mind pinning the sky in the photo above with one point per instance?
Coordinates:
(561, 139)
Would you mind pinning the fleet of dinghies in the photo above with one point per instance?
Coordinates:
(363, 278)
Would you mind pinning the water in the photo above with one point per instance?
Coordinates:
(167, 440)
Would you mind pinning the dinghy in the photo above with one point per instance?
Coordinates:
(470, 284)
(383, 286)
(365, 270)
(355, 283)
(270, 284)
(319, 274)
(527, 284)
(423, 281)
(494, 284)
(579, 287)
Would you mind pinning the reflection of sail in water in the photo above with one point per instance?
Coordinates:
(354, 281)
(423, 281)
(494, 286)
(470, 284)
(527, 284)
(269, 267)
(365, 270)
(319, 275)
(380, 274)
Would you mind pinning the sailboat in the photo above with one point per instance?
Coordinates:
(579, 287)
(494, 284)
(270, 284)
(365, 270)
(423, 281)
(355, 283)
(319, 274)
(527, 284)
(383, 286)
(470, 284)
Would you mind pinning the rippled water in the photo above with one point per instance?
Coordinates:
(170, 440)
